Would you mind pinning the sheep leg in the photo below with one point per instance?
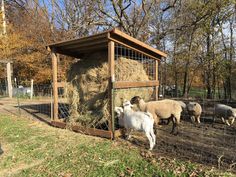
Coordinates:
(223, 120)
(227, 122)
(150, 140)
(174, 130)
(192, 119)
(232, 121)
(198, 119)
(213, 120)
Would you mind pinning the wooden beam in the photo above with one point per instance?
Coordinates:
(111, 66)
(121, 84)
(9, 82)
(55, 86)
(87, 131)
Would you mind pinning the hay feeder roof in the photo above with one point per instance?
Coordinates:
(80, 46)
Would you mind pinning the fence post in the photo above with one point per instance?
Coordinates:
(31, 89)
(9, 83)
(111, 65)
(55, 87)
(156, 78)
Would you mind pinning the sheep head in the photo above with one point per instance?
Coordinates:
(135, 100)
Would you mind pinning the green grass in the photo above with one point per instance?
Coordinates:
(35, 149)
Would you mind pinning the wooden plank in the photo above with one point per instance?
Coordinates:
(9, 82)
(111, 74)
(55, 87)
(156, 78)
(142, 44)
(135, 49)
(58, 124)
(121, 84)
(84, 130)
(61, 84)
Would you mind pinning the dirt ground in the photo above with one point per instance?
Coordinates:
(208, 144)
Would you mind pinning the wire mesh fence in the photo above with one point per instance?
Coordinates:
(35, 102)
(142, 64)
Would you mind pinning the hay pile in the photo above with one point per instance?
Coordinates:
(88, 87)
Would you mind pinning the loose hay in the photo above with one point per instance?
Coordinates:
(88, 87)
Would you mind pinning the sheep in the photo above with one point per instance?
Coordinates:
(226, 113)
(164, 109)
(194, 110)
(140, 121)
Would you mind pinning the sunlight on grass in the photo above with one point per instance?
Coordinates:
(34, 149)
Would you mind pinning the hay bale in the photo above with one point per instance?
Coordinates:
(89, 77)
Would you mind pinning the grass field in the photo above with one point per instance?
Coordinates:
(32, 148)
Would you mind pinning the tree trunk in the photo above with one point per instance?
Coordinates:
(208, 72)
(185, 90)
(230, 60)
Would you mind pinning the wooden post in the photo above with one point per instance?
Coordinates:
(55, 91)
(111, 66)
(9, 83)
(31, 89)
(156, 78)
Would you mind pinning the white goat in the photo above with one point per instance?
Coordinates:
(140, 121)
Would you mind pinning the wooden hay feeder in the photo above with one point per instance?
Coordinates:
(116, 45)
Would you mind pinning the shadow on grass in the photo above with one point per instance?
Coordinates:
(42, 112)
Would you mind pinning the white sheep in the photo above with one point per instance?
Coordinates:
(226, 113)
(164, 109)
(194, 111)
(140, 121)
